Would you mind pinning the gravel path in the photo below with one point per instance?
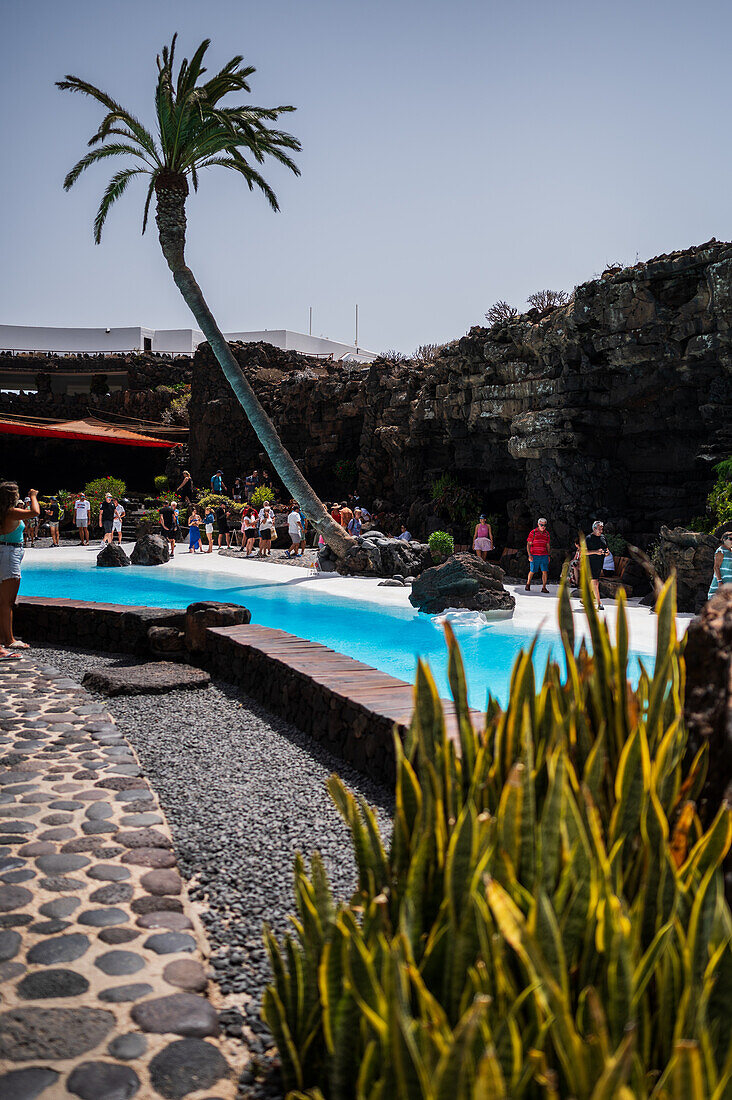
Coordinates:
(243, 791)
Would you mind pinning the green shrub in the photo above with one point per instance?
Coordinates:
(215, 500)
(95, 491)
(549, 919)
(720, 501)
(699, 523)
(150, 516)
(161, 484)
(618, 545)
(441, 545)
(262, 493)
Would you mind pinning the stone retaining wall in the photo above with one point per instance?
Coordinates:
(112, 628)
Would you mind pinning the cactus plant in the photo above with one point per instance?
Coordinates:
(549, 920)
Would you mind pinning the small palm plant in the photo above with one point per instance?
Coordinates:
(196, 131)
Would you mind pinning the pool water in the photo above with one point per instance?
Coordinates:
(386, 637)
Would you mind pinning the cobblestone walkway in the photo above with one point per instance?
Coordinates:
(102, 982)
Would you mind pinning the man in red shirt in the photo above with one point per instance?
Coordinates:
(537, 547)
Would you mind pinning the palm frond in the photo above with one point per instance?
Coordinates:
(116, 187)
(253, 178)
(74, 84)
(148, 197)
(114, 150)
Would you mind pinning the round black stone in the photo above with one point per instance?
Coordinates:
(59, 949)
(129, 1046)
(9, 944)
(57, 819)
(112, 894)
(61, 907)
(108, 872)
(49, 927)
(26, 1084)
(13, 897)
(186, 1065)
(91, 828)
(98, 918)
(99, 811)
(165, 943)
(52, 983)
(120, 962)
(118, 935)
(61, 863)
(27, 1033)
(103, 1081)
(119, 993)
(17, 876)
(60, 884)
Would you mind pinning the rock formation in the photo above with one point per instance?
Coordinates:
(112, 555)
(690, 554)
(616, 404)
(379, 556)
(150, 550)
(462, 581)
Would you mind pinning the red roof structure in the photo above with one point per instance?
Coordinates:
(89, 430)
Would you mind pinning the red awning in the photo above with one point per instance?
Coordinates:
(90, 430)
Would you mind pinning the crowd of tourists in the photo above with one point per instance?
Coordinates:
(253, 529)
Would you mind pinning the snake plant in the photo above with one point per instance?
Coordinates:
(548, 920)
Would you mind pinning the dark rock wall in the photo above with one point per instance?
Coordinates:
(317, 406)
(615, 405)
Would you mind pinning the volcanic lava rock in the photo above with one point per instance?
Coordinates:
(153, 678)
(151, 549)
(462, 581)
(200, 616)
(691, 555)
(375, 555)
(111, 555)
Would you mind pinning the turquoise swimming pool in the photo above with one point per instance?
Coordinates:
(387, 637)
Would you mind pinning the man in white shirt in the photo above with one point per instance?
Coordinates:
(82, 514)
(119, 515)
(294, 527)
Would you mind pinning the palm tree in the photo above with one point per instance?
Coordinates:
(195, 131)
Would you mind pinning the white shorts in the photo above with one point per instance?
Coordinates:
(209, 528)
(117, 525)
(82, 522)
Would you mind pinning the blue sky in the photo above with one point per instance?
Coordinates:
(454, 153)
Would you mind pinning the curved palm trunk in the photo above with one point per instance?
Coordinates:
(171, 191)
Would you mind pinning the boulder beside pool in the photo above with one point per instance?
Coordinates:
(112, 555)
(150, 549)
(462, 581)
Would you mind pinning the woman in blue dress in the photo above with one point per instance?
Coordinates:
(722, 564)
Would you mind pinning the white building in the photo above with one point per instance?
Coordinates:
(170, 341)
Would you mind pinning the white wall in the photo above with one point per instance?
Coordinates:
(176, 341)
(84, 340)
(170, 341)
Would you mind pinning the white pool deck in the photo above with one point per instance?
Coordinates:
(533, 612)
